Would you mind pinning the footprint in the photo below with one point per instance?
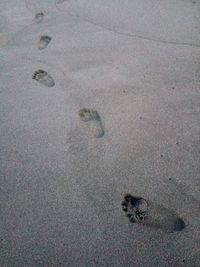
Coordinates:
(147, 213)
(93, 121)
(39, 17)
(44, 41)
(44, 78)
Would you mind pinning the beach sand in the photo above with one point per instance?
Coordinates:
(107, 105)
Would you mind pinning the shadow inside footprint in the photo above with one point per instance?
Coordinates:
(93, 121)
(142, 211)
(44, 41)
(39, 17)
(44, 78)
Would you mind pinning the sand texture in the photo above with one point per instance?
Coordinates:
(100, 101)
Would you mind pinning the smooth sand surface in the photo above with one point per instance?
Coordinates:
(136, 63)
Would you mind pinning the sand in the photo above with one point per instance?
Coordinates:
(136, 63)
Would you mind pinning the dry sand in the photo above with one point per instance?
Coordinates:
(136, 63)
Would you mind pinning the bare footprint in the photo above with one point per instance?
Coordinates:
(44, 41)
(147, 213)
(39, 17)
(93, 121)
(44, 78)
